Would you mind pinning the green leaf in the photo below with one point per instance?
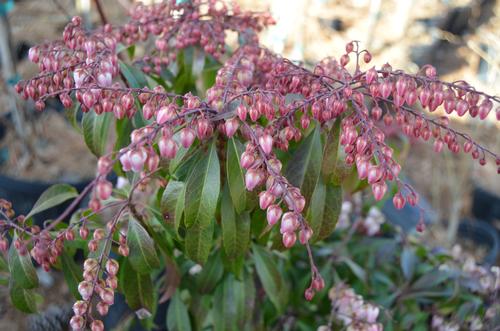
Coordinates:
(324, 210)
(198, 241)
(143, 257)
(431, 279)
(95, 130)
(235, 174)
(134, 76)
(229, 309)
(201, 196)
(356, 269)
(235, 228)
(409, 261)
(72, 273)
(53, 196)
(211, 274)
(304, 166)
(270, 277)
(23, 299)
(202, 190)
(172, 202)
(71, 115)
(22, 271)
(137, 287)
(177, 315)
(330, 153)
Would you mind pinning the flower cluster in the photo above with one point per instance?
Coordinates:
(350, 309)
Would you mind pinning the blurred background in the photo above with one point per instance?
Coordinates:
(461, 38)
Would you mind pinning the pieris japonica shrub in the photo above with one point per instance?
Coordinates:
(224, 157)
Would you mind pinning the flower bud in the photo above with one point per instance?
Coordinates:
(97, 325)
(305, 235)
(137, 160)
(379, 190)
(374, 174)
(127, 101)
(187, 137)
(266, 143)
(112, 267)
(168, 147)
(104, 189)
(273, 214)
(77, 323)
(398, 200)
(289, 222)
(252, 179)
(80, 307)
(247, 160)
(102, 308)
(265, 199)
(231, 126)
(108, 296)
(85, 289)
(318, 283)
(289, 239)
(309, 294)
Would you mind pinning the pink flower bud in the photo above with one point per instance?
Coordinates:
(385, 89)
(153, 162)
(103, 165)
(137, 159)
(266, 143)
(127, 101)
(119, 111)
(289, 239)
(363, 167)
(105, 79)
(254, 114)
(80, 307)
(265, 199)
(438, 145)
(374, 174)
(289, 222)
(187, 137)
(344, 60)
(97, 325)
(112, 267)
(77, 323)
(398, 200)
(202, 128)
(104, 189)
(309, 294)
(412, 199)
(273, 214)
(89, 264)
(102, 308)
(305, 235)
(367, 57)
(231, 126)
(168, 147)
(252, 179)
(85, 289)
(88, 99)
(379, 190)
(318, 283)
(165, 114)
(107, 296)
(371, 75)
(242, 112)
(461, 107)
(247, 160)
(33, 54)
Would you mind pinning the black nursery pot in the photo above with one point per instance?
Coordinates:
(482, 234)
(23, 194)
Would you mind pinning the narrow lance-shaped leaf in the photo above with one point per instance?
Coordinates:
(22, 271)
(229, 305)
(211, 274)
(53, 196)
(330, 153)
(72, 273)
(270, 277)
(235, 228)
(324, 210)
(172, 202)
(143, 257)
(137, 288)
(235, 174)
(95, 130)
(304, 167)
(201, 196)
(202, 189)
(177, 315)
(23, 299)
